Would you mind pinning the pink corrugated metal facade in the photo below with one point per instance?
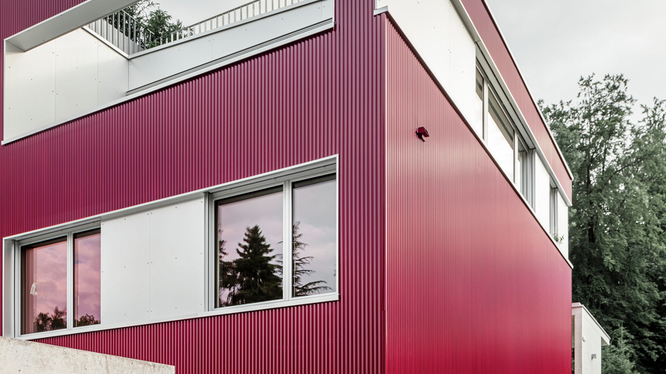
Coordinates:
(442, 267)
(474, 284)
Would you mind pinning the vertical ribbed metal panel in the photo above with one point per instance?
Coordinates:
(314, 98)
(473, 283)
(491, 37)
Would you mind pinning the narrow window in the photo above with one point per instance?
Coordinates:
(314, 236)
(553, 212)
(44, 286)
(87, 275)
(500, 136)
(249, 248)
(477, 119)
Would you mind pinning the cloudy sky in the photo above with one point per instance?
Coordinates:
(556, 42)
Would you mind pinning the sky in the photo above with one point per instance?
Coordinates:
(556, 42)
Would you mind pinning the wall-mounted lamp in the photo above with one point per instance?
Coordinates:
(421, 132)
(594, 355)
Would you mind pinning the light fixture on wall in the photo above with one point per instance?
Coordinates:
(594, 355)
(421, 132)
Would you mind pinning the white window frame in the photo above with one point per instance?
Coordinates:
(526, 172)
(11, 250)
(16, 276)
(286, 181)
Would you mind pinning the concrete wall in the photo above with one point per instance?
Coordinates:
(17, 356)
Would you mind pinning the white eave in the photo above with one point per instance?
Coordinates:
(65, 22)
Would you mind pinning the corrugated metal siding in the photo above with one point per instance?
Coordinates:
(314, 98)
(507, 67)
(473, 283)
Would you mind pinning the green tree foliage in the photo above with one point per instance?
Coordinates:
(617, 222)
(301, 262)
(157, 21)
(252, 277)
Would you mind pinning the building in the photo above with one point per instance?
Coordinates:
(398, 138)
(587, 339)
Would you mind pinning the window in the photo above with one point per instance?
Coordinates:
(553, 211)
(59, 275)
(502, 137)
(254, 231)
(264, 242)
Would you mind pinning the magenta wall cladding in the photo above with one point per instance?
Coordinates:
(473, 283)
(315, 98)
(491, 37)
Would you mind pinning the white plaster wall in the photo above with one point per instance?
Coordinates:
(18, 356)
(58, 80)
(588, 338)
(563, 225)
(152, 264)
(441, 38)
(591, 345)
(542, 193)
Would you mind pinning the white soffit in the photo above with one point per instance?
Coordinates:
(65, 22)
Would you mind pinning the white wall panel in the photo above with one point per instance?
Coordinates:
(442, 40)
(112, 78)
(126, 269)
(153, 264)
(76, 74)
(563, 224)
(68, 76)
(177, 245)
(542, 193)
(29, 99)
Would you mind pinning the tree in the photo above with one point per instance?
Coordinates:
(252, 277)
(300, 270)
(150, 17)
(617, 223)
(86, 320)
(50, 321)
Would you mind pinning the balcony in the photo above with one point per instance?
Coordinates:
(55, 73)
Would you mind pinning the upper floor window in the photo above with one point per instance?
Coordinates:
(502, 137)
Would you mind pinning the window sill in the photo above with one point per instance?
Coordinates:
(268, 305)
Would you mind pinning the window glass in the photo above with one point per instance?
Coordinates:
(87, 275)
(44, 286)
(314, 236)
(249, 248)
(500, 136)
(477, 118)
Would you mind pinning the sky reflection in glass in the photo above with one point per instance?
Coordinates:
(314, 214)
(44, 286)
(87, 272)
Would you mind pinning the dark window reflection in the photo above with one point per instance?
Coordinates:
(249, 238)
(314, 238)
(87, 275)
(44, 286)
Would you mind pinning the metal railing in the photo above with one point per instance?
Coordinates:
(241, 13)
(131, 36)
(123, 31)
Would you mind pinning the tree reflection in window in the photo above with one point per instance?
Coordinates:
(253, 270)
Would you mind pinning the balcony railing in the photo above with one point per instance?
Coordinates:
(131, 36)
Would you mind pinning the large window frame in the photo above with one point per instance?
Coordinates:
(68, 234)
(285, 181)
